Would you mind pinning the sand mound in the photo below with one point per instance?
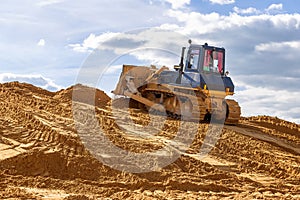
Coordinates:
(82, 93)
(43, 157)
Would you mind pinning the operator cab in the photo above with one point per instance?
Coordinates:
(205, 59)
(204, 67)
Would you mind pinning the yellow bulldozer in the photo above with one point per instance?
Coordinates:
(195, 90)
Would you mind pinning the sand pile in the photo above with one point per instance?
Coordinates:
(43, 157)
(82, 92)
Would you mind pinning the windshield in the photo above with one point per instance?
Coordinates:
(213, 61)
(193, 59)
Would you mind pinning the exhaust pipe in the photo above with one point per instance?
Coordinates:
(180, 66)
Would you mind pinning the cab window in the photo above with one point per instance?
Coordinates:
(193, 59)
(213, 61)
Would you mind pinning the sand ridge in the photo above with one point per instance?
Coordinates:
(43, 157)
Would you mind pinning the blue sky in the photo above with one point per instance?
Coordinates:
(48, 42)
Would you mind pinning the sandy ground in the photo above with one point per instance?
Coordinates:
(43, 157)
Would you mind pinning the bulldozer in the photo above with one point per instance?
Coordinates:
(196, 89)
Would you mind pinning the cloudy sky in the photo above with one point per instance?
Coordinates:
(49, 42)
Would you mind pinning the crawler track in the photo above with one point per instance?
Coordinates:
(197, 112)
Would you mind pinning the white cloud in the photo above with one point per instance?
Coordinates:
(92, 42)
(169, 27)
(176, 4)
(48, 2)
(278, 46)
(274, 7)
(265, 101)
(113, 69)
(41, 42)
(213, 22)
(222, 2)
(249, 10)
(35, 79)
(149, 45)
(157, 57)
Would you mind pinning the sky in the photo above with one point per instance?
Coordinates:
(57, 43)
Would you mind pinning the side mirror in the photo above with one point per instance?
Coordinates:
(177, 67)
